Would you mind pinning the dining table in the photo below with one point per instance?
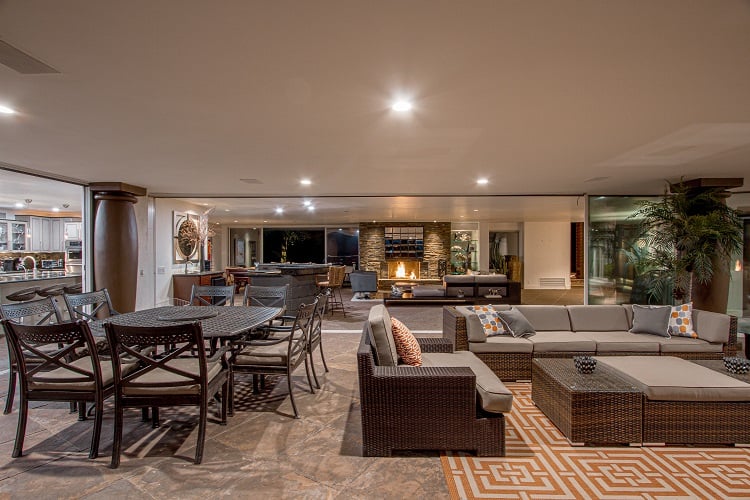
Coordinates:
(219, 323)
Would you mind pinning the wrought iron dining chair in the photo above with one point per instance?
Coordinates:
(61, 375)
(89, 306)
(315, 340)
(34, 312)
(177, 377)
(277, 355)
(212, 295)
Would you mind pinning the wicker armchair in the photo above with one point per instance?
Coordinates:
(423, 408)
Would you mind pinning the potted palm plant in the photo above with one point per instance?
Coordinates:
(691, 236)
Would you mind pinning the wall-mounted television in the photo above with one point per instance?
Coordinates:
(404, 242)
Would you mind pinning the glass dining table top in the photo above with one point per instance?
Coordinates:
(216, 321)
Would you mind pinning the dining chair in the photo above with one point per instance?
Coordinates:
(277, 355)
(89, 306)
(180, 375)
(61, 375)
(315, 340)
(334, 281)
(218, 295)
(35, 312)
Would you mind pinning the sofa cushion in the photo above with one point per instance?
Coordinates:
(653, 320)
(550, 318)
(685, 344)
(490, 279)
(629, 313)
(681, 321)
(565, 341)
(598, 318)
(666, 378)
(502, 343)
(379, 322)
(427, 291)
(474, 330)
(516, 322)
(493, 395)
(624, 341)
(407, 346)
(711, 326)
(490, 320)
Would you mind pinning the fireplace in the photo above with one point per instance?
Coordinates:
(403, 269)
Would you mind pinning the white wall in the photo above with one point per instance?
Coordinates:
(144, 209)
(546, 248)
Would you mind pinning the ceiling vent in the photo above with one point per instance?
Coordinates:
(22, 62)
(252, 181)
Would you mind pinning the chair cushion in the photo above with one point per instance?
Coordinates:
(502, 343)
(603, 318)
(406, 345)
(516, 322)
(623, 341)
(427, 291)
(666, 378)
(686, 344)
(681, 321)
(565, 341)
(493, 395)
(379, 322)
(651, 319)
(161, 376)
(550, 318)
(268, 355)
(711, 326)
(83, 364)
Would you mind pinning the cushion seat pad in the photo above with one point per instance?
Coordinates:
(666, 378)
(686, 344)
(502, 343)
(427, 291)
(82, 364)
(161, 376)
(493, 395)
(562, 341)
(624, 341)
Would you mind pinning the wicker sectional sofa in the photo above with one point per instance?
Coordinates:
(564, 331)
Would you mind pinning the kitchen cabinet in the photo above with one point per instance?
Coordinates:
(73, 231)
(13, 236)
(46, 234)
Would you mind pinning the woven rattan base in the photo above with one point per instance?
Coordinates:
(598, 408)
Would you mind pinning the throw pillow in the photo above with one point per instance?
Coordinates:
(516, 323)
(681, 321)
(406, 344)
(491, 323)
(651, 319)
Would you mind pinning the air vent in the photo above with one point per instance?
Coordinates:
(252, 181)
(556, 283)
(22, 62)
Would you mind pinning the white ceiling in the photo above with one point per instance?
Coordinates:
(187, 97)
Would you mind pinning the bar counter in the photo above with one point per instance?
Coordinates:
(301, 279)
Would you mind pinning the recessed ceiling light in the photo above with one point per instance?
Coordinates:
(218, 223)
(55, 209)
(402, 106)
(476, 210)
(483, 181)
(227, 210)
(19, 204)
(310, 208)
(5, 110)
(279, 210)
(373, 222)
(305, 182)
(306, 203)
(434, 221)
(265, 221)
(340, 229)
(462, 216)
(236, 221)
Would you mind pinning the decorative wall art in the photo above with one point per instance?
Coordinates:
(185, 236)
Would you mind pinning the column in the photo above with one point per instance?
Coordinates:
(115, 245)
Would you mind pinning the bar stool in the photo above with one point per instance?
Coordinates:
(23, 295)
(73, 289)
(52, 291)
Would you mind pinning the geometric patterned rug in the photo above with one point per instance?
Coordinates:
(540, 463)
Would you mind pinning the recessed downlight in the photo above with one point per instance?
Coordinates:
(307, 203)
(5, 110)
(310, 208)
(279, 210)
(227, 210)
(483, 181)
(236, 221)
(55, 209)
(305, 182)
(402, 105)
(18, 204)
(476, 210)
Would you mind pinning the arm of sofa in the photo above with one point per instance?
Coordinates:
(435, 344)
(717, 327)
(454, 328)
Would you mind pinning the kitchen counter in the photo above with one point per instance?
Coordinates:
(36, 276)
(13, 282)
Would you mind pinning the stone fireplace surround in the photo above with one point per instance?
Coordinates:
(437, 240)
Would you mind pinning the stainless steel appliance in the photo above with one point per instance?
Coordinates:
(9, 265)
(74, 256)
(52, 264)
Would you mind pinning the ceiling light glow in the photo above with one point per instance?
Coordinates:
(310, 208)
(5, 110)
(402, 106)
(55, 209)
(279, 210)
(19, 204)
(307, 203)
(305, 182)
(483, 181)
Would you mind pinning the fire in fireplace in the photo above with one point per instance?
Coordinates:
(403, 269)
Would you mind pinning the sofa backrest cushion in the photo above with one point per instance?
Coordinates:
(379, 322)
(604, 318)
(629, 313)
(711, 326)
(546, 318)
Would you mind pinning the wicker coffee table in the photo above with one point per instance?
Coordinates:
(599, 408)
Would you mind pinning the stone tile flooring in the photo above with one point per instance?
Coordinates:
(261, 453)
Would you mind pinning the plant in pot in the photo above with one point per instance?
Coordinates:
(691, 237)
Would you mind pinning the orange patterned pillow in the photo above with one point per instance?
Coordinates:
(407, 346)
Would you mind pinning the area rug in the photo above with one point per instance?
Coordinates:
(541, 464)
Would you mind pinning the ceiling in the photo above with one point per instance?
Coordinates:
(39, 195)
(187, 98)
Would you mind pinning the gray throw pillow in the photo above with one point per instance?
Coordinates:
(651, 319)
(516, 323)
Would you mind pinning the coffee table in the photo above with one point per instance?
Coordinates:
(597, 408)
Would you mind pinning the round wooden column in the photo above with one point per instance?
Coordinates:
(115, 245)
